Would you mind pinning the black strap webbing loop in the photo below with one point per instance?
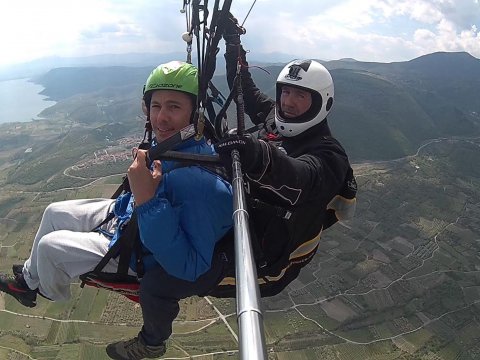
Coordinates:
(128, 239)
(122, 248)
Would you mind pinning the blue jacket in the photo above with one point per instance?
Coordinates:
(190, 212)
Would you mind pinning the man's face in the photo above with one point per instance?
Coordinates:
(170, 111)
(294, 102)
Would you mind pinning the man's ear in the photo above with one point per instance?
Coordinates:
(144, 108)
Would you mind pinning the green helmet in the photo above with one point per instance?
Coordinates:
(175, 75)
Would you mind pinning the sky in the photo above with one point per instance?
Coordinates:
(366, 30)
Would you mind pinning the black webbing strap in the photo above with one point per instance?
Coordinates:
(120, 189)
(258, 254)
(109, 217)
(211, 114)
(128, 239)
(275, 210)
(139, 253)
(123, 248)
(222, 113)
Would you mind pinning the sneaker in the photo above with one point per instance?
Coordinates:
(134, 349)
(17, 287)
(17, 269)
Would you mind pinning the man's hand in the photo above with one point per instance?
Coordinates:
(143, 182)
(232, 30)
(249, 147)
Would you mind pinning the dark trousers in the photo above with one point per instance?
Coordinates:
(161, 292)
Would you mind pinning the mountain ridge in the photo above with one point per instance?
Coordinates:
(392, 107)
(401, 280)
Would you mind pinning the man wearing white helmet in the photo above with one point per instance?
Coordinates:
(305, 96)
(299, 176)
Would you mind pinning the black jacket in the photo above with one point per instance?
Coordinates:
(298, 178)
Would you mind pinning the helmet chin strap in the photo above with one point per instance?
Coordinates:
(148, 133)
(148, 124)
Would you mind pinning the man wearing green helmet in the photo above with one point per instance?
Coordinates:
(182, 212)
(178, 80)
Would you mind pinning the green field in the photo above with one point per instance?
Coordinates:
(365, 295)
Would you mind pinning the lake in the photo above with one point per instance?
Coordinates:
(20, 101)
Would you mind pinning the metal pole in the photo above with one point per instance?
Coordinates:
(249, 315)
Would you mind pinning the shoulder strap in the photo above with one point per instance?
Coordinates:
(217, 170)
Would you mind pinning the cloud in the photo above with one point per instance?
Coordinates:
(447, 38)
(454, 30)
(371, 30)
(108, 32)
(463, 14)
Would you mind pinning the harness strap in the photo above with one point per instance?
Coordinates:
(138, 255)
(298, 257)
(120, 188)
(123, 248)
(109, 217)
(276, 210)
(128, 239)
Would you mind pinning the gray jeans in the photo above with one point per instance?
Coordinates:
(65, 247)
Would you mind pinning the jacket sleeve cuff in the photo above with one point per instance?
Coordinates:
(146, 207)
(259, 171)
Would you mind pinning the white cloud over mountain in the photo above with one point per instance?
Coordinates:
(369, 30)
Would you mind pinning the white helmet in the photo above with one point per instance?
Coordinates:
(307, 75)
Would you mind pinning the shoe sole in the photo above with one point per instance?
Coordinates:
(26, 303)
(20, 299)
(113, 354)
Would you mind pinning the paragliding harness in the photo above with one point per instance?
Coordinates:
(273, 278)
(129, 244)
(120, 282)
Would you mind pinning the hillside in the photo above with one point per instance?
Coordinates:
(62, 83)
(391, 107)
(399, 281)
(394, 107)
